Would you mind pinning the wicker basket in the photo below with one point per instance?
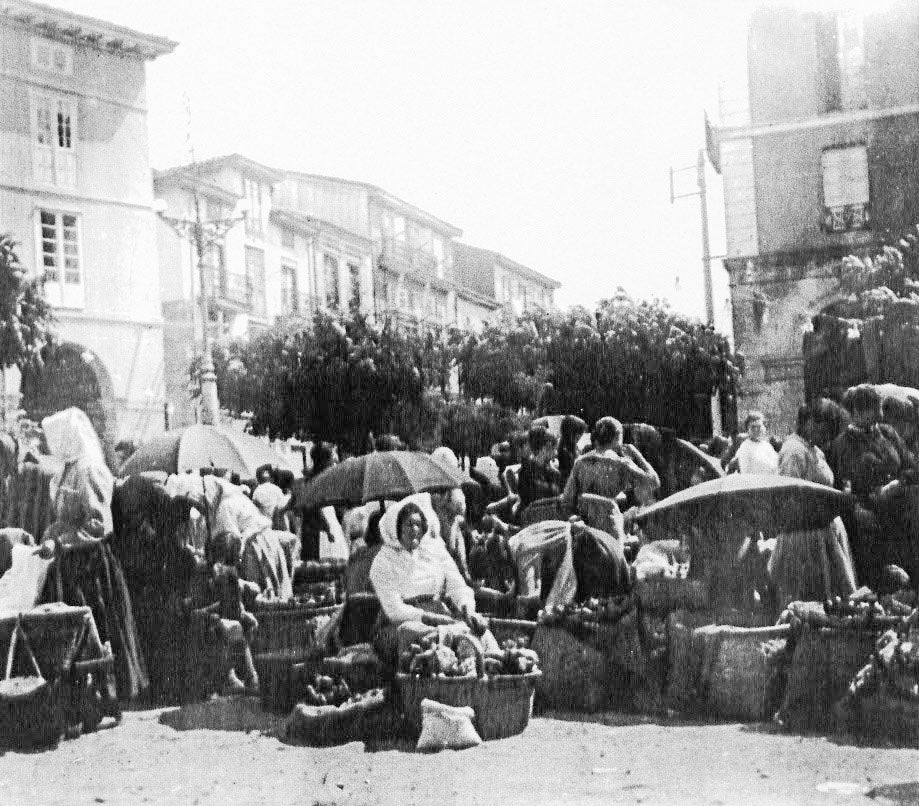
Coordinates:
(287, 628)
(879, 717)
(502, 703)
(283, 677)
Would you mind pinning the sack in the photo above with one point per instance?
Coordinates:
(446, 727)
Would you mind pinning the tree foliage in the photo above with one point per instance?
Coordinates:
(25, 315)
(883, 283)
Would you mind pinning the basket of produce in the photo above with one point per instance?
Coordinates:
(592, 655)
(337, 718)
(328, 569)
(834, 640)
(499, 687)
(283, 676)
(289, 624)
(882, 701)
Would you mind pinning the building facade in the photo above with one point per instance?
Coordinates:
(816, 143)
(500, 284)
(75, 192)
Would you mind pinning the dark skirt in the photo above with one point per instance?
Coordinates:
(92, 577)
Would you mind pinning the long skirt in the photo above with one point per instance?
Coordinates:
(92, 577)
(812, 564)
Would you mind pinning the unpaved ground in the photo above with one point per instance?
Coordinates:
(165, 756)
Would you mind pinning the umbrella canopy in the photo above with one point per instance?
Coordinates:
(189, 449)
(758, 502)
(711, 465)
(376, 476)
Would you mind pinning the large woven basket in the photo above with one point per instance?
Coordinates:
(502, 703)
(286, 628)
(663, 595)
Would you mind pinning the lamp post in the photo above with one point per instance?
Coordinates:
(202, 235)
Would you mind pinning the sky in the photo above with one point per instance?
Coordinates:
(544, 130)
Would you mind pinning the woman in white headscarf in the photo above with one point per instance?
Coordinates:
(88, 573)
(414, 577)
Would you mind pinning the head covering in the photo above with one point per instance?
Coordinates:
(71, 436)
(390, 519)
(445, 458)
(488, 467)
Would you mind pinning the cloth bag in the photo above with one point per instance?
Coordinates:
(446, 727)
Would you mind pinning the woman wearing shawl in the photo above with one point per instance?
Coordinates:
(413, 576)
(88, 573)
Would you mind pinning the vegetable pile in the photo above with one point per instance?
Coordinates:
(325, 691)
(593, 611)
(317, 594)
(860, 611)
(327, 569)
(462, 656)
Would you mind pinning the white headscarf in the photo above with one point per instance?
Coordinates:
(388, 523)
(71, 436)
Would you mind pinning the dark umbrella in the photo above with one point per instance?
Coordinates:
(200, 446)
(768, 503)
(377, 476)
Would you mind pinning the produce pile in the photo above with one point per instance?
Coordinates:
(314, 595)
(463, 656)
(574, 617)
(892, 670)
(336, 720)
(326, 691)
(862, 610)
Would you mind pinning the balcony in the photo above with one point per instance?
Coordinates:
(398, 255)
(228, 288)
(846, 218)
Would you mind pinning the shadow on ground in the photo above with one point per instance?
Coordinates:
(241, 714)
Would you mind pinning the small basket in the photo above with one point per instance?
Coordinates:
(502, 703)
(29, 715)
(287, 628)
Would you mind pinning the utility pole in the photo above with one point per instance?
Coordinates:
(702, 193)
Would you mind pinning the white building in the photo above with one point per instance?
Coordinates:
(75, 191)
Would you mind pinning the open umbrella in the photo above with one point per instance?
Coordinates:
(377, 476)
(710, 465)
(757, 502)
(200, 446)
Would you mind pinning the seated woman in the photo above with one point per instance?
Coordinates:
(415, 579)
(538, 478)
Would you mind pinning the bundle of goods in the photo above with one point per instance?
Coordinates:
(832, 642)
(329, 717)
(593, 656)
(288, 625)
(328, 569)
(453, 669)
(882, 701)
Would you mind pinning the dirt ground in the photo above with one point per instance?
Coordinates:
(231, 752)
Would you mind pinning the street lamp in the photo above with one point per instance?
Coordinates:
(203, 235)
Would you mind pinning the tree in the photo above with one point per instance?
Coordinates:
(26, 318)
(339, 377)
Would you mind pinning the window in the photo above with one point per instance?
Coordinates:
(289, 299)
(52, 57)
(841, 61)
(851, 53)
(53, 141)
(253, 194)
(61, 259)
(440, 311)
(332, 296)
(505, 289)
(255, 279)
(288, 239)
(846, 197)
(354, 277)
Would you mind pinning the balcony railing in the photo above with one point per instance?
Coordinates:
(846, 217)
(224, 286)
